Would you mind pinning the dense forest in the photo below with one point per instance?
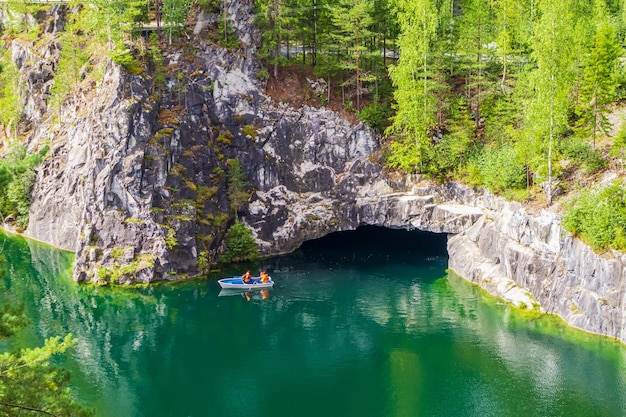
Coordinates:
(518, 96)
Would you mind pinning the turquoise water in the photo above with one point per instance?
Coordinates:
(360, 324)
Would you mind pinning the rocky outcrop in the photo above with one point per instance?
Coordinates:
(283, 219)
(532, 262)
(136, 182)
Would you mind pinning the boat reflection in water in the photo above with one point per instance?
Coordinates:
(262, 294)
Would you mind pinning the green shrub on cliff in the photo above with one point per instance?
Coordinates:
(238, 194)
(240, 244)
(599, 217)
(10, 105)
(17, 177)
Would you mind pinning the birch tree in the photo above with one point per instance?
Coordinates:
(416, 107)
(550, 80)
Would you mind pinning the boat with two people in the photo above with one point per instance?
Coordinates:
(247, 282)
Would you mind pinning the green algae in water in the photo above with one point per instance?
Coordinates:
(550, 325)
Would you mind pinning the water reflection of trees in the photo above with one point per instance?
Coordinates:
(110, 325)
(407, 324)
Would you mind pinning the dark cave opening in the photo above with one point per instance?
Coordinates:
(369, 244)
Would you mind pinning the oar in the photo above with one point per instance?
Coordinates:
(251, 285)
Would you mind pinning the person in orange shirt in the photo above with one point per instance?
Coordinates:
(264, 277)
(246, 277)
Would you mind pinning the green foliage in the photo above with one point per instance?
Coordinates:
(155, 55)
(117, 253)
(12, 316)
(598, 217)
(548, 109)
(619, 145)
(352, 20)
(209, 6)
(249, 130)
(376, 114)
(273, 19)
(17, 177)
(476, 31)
(498, 169)
(237, 193)
(170, 239)
(481, 82)
(412, 76)
(403, 154)
(74, 60)
(228, 38)
(239, 244)
(202, 262)
(174, 14)
(113, 274)
(10, 105)
(29, 384)
(599, 78)
(583, 156)
(263, 74)
(124, 57)
(104, 28)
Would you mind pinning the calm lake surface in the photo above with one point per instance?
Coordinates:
(365, 323)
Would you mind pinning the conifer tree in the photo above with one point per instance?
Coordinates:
(511, 25)
(352, 19)
(272, 19)
(476, 28)
(599, 83)
(29, 384)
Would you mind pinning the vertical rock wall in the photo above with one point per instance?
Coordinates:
(531, 261)
(135, 182)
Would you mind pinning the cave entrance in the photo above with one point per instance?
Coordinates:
(374, 244)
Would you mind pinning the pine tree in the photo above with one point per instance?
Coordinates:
(476, 28)
(511, 25)
(352, 18)
(272, 19)
(29, 384)
(599, 83)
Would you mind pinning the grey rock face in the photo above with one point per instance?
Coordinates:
(532, 260)
(136, 185)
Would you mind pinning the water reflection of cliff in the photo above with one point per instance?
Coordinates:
(362, 311)
(99, 318)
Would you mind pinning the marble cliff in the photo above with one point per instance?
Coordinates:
(135, 182)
